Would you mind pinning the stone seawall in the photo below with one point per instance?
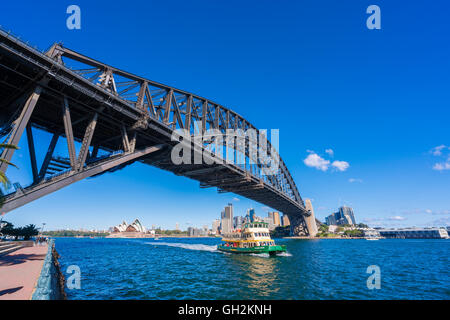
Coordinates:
(50, 285)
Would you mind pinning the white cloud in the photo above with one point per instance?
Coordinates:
(397, 218)
(441, 151)
(352, 180)
(442, 166)
(437, 151)
(315, 161)
(330, 152)
(340, 165)
(236, 199)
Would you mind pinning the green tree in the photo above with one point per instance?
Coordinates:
(28, 231)
(353, 233)
(6, 228)
(3, 178)
(9, 230)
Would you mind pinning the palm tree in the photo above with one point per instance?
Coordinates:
(3, 178)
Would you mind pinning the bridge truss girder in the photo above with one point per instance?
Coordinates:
(110, 110)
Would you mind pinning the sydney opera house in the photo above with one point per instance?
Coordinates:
(135, 229)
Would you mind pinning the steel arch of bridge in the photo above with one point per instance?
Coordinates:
(129, 117)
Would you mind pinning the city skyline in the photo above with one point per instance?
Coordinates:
(391, 167)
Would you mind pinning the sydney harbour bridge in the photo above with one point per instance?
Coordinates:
(115, 118)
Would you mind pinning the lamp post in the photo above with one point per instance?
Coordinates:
(42, 231)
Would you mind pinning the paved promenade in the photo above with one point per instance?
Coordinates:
(19, 272)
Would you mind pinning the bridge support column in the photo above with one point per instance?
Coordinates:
(298, 225)
(302, 225)
(311, 225)
(19, 126)
(311, 220)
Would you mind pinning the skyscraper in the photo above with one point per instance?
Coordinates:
(216, 226)
(238, 222)
(226, 224)
(276, 219)
(251, 214)
(347, 215)
(286, 221)
(269, 221)
(343, 216)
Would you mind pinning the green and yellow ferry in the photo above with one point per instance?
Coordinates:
(253, 238)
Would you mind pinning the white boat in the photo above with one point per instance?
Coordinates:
(373, 237)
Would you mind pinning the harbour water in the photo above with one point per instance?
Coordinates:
(192, 268)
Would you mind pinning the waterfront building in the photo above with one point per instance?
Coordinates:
(415, 233)
(332, 228)
(286, 221)
(121, 227)
(343, 216)
(216, 226)
(226, 224)
(136, 226)
(331, 220)
(251, 213)
(269, 222)
(238, 222)
(197, 232)
(276, 219)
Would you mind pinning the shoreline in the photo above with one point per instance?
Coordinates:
(320, 238)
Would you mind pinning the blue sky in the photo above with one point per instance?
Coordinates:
(378, 98)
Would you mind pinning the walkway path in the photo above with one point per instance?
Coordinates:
(19, 272)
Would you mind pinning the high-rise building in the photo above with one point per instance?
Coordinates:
(194, 232)
(343, 216)
(177, 226)
(238, 222)
(269, 221)
(331, 220)
(251, 213)
(276, 219)
(286, 221)
(216, 226)
(347, 215)
(226, 224)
